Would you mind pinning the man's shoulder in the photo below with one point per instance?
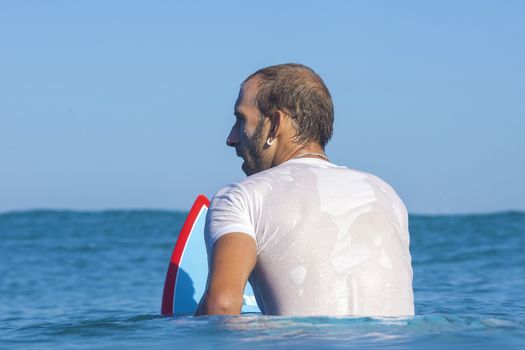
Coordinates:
(381, 184)
(376, 183)
(250, 188)
(242, 190)
(232, 190)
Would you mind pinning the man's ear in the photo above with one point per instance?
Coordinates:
(275, 124)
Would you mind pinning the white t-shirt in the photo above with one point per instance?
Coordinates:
(330, 240)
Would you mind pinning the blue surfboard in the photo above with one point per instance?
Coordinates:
(188, 268)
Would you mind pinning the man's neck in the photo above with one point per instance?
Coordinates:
(309, 150)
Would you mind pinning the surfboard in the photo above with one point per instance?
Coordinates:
(187, 273)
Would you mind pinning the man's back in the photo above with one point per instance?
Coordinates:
(330, 240)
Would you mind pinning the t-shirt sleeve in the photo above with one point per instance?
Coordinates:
(228, 213)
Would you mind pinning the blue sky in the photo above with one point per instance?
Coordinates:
(127, 104)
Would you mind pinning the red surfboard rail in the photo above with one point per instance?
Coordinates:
(176, 256)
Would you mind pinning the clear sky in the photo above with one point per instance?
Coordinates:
(127, 104)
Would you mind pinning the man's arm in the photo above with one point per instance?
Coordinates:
(233, 259)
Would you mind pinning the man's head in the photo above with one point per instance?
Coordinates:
(280, 108)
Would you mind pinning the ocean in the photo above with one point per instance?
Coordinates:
(75, 280)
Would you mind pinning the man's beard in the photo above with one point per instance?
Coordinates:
(253, 154)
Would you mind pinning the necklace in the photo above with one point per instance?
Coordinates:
(322, 156)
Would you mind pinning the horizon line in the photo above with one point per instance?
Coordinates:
(185, 211)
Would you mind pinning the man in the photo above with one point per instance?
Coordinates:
(312, 237)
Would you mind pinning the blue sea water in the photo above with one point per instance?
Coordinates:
(94, 280)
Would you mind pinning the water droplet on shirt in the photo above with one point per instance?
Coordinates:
(298, 274)
(384, 260)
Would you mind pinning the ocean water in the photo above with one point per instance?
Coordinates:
(94, 280)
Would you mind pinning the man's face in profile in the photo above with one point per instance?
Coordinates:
(245, 134)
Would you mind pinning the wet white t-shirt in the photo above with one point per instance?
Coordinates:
(330, 240)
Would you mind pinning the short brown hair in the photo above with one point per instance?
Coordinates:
(299, 92)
